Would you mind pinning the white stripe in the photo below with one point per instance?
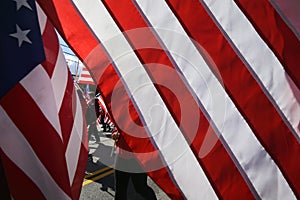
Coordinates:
(89, 81)
(85, 73)
(59, 78)
(74, 146)
(103, 104)
(170, 136)
(42, 17)
(256, 163)
(42, 93)
(261, 59)
(19, 151)
(85, 79)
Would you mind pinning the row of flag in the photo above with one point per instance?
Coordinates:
(205, 87)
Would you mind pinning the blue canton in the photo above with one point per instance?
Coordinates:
(21, 47)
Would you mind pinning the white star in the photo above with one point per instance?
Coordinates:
(21, 35)
(21, 3)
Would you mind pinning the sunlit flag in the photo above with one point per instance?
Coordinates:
(206, 93)
(85, 77)
(43, 141)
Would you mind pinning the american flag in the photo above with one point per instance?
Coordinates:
(43, 141)
(103, 107)
(85, 77)
(206, 93)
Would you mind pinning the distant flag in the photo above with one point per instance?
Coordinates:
(42, 138)
(85, 77)
(209, 89)
(107, 119)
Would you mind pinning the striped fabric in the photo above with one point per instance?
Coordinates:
(206, 93)
(85, 77)
(107, 119)
(101, 103)
(43, 141)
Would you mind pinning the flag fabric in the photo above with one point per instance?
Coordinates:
(43, 141)
(104, 111)
(101, 103)
(85, 77)
(205, 93)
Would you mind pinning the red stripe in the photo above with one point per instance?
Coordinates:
(244, 90)
(67, 113)
(215, 162)
(65, 9)
(276, 34)
(86, 76)
(51, 48)
(70, 99)
(65, 117)
(20, 186)
(84, 69)
(76, 186)
(160, 176)
(289, 10)
(69, 16)
(41, 135)
(86, 82)
(38, 132)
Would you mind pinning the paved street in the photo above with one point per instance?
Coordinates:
(99, 181)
